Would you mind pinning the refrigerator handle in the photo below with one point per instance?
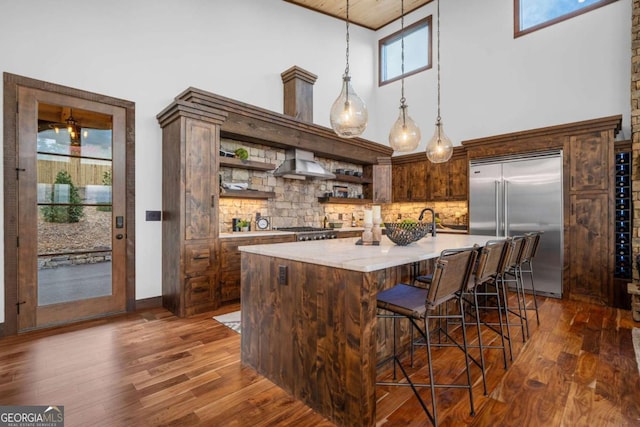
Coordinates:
(497, 194)
(506, 206)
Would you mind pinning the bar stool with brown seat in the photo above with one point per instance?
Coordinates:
(526, 265)
(452, 271)
(484, 282)
(513, 276)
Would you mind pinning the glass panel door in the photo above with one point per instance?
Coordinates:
(74, 188)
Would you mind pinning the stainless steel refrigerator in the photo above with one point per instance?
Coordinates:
(514, 195)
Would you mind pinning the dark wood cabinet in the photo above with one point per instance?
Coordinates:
(591, 189)
(590, 263)
(449, 181)
(416, 179)
(588, 194)
(190, 146)
(459, 177)
(345, 234)
(409, 180)
(230, 262)
(590, 162)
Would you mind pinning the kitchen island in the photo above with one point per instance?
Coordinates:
(309, 316)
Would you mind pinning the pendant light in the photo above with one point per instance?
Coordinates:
(440, 147)
(348, 114)
(405, 133)
(74, 131)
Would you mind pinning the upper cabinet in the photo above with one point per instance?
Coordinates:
(590, 162)
(416, 179)
(409, 179)
(449, 181)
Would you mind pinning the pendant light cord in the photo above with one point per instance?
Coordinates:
(402, 98)
(346, 70)
(438, 31)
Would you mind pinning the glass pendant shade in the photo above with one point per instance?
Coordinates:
(405, 133)
(349, 116)
(440, 147)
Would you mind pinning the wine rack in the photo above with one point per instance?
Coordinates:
(623, 223)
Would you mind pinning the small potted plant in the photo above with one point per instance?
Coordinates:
(242, 153)
(243, 224)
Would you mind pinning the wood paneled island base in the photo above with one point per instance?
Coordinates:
(311, 328)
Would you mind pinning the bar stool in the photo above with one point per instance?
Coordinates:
(452, 271)
(484, 282)
(526, 266)
(513, 275)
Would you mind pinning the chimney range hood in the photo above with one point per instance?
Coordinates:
(300, 164)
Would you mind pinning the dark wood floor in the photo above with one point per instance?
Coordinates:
(151, 368)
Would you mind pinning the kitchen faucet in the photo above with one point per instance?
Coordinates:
(433, 219)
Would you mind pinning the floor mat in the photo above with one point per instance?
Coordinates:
(230, 320)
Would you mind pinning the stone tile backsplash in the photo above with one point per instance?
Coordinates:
(296, 202)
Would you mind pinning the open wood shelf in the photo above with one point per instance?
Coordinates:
(233, 162)
(353, 179)
(344, 200)
(247, 194)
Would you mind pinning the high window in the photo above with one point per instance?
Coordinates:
(531, 15)
(417, 52)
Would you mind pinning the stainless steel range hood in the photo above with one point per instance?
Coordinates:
(300, 164)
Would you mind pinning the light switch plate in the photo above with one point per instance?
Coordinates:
(153, 215)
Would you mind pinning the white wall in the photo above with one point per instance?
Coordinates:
(492, 83)
(148, 51)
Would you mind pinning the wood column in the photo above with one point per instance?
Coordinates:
(298, 93)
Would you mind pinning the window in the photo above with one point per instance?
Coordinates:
(531, 15)
(417, 52)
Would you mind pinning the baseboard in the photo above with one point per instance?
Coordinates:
(148, 303)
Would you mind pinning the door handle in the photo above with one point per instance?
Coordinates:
(498, 216)
(506, 208)
(119, 236)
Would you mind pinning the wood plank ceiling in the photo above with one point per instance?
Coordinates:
(372, 14)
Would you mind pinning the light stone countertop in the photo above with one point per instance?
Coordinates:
(261, 233)
(345, 254)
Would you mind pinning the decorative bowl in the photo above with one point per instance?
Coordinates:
(404, 233)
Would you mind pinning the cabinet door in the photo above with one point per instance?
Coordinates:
(230, 260)
(590, 162)
(382, 183)
(417, 181)
(197, 258)
(588, 248)
(438, 181)
(229, 254)
(201, 180)
(458, 178)
(400, 181)
(198, 291)
(229, 285)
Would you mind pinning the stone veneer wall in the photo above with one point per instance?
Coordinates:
(635, 127)
(448, 212)
(296, 202)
